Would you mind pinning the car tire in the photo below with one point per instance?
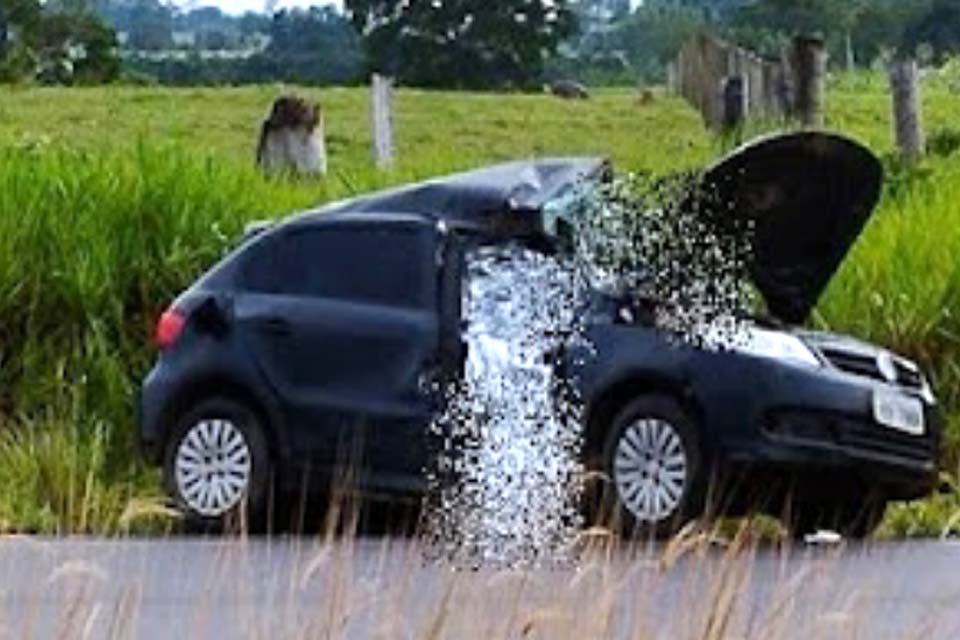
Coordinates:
(217, 466)
(855, 521)
(653, 469)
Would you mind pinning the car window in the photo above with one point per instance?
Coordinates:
(258, 266)
(359, 263)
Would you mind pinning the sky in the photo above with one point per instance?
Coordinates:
(240, 6)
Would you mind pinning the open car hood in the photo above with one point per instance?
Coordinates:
(808, 196)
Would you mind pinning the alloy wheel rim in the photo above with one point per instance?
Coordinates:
(213, 467)
(650, 469)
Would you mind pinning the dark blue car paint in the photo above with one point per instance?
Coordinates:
(351, 373)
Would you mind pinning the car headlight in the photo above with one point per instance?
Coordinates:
(926, 391)
(776, 345)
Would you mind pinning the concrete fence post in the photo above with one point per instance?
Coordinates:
(292, 139)
(907, 116)
(382, 117)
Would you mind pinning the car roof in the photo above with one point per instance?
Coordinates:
(480, 198)
(334, 218)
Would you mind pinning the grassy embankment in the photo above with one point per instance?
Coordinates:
(112, 200)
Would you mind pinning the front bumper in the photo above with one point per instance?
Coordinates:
(808, 444)
(818, 427)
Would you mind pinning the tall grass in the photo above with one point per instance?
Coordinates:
(99, 231)
(91, 247)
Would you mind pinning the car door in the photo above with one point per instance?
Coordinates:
(346, 331)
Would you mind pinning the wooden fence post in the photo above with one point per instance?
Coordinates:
(808, 67)
(382, 115)
(755, 87)
(790, 88)
(907, 117)
(733, 102)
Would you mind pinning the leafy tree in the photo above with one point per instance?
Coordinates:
(852, 29)
(637, 46)
(17, 17)
(470, 44)
(712, 10)
(653, 36)
(315, 46)
(856, 31)
(18, 14)
(776, 21)
(938, 26)
(251, 23)
(150, 25)
(880, 27)
(60, 42)
(76, 48)
(603, 9)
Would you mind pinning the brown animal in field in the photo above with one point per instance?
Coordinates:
(568, 90)
(292, 138)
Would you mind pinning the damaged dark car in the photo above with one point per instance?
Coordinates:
(320, 341)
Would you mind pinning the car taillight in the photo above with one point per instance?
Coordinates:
(169, 327)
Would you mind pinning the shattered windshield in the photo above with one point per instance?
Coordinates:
(635, 238)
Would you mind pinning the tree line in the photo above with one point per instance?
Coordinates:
(858, 33)
(314, 46)
(468, 44)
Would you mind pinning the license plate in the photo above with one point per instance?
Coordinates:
(898, 412)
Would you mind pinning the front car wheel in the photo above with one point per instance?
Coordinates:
(654, 464)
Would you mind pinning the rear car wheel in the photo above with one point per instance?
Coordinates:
(654, 465)
(216, 466)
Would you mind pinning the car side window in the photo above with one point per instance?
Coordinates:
(364, 263)
(258, 271)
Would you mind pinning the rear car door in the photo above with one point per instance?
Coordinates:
(344, 323)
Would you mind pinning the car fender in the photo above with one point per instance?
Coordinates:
(207, 382)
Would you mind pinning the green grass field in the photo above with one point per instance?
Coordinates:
(112, 200)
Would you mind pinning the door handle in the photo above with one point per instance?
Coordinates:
(427, 383)
(430, 381)
(276, 327)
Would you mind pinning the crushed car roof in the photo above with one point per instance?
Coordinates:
(478, 198)
(808, 195)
